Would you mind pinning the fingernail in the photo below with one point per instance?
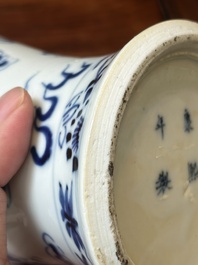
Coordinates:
(10, 101)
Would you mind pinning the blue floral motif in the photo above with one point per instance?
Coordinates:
(67, 215)
(71, 224)
(6, 60)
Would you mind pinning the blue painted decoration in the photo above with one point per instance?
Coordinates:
(6, 60)
(41, 117)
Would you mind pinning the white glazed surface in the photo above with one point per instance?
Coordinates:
(44, 219)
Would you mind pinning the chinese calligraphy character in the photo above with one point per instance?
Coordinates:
(160, 125)
(187, 121)
(192, 171)
(163, 183)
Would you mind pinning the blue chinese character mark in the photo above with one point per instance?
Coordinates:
(192, 171)
(160, 125)
(163, 183)
(187, 121)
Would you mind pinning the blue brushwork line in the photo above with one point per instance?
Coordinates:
(26, 86)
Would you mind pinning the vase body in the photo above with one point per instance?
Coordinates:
(60, 203)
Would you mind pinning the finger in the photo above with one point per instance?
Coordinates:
(16, 117)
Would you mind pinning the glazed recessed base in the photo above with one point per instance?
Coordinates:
(156, 165)
(143, 176)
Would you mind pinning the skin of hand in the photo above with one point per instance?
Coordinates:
(16, 119)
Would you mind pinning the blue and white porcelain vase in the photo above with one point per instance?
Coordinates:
(61, 203)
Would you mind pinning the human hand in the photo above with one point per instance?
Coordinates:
(16, 118)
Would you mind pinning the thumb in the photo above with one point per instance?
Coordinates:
(16, 117)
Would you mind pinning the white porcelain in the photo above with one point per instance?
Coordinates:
(61, 203)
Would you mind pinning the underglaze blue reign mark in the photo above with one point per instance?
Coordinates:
(187, 121)
(6, 60)
(52, 249)
(42, 117)
(163, 183)
(192, 171)
(160, 125)
(71, 224)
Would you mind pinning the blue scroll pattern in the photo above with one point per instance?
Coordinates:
(40, 116)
